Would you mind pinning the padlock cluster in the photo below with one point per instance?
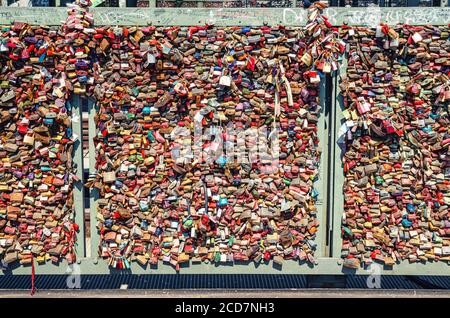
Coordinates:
(167, 98)
(36, 169)
(80, 49)
(396, 137)
(41, 68)
(159, 86)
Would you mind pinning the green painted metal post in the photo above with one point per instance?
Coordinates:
(94, 235)
(78, 190)
(337, 171)
(321, 183)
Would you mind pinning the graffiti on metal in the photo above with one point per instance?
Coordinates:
(187, 16)
(37, 15)
(231, 16)
(374, 15)
(259, 16)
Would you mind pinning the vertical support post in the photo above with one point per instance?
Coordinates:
(152, 3)
(57, 3)
(78, 189)
(337, 183)
(321, 183)
(329, 163)
(95, 238)
(294, 3)
(199, 4)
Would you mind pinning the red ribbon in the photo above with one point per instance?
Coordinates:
(33, 289)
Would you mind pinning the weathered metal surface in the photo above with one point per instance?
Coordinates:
(230, 16)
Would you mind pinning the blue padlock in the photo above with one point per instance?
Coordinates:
(427, 129)
(406, 222)
(126, 263)
(223, 201)
(411, 208)
(68, 106)
(221, 161)
(150, 136)
(434, 116)
(146, 110)
(42, 57)
(143, 206)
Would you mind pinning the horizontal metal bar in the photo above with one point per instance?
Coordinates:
(325, 266)
(231, 16)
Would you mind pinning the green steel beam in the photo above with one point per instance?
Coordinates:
(321, 183)
(337, 171)
(325, 266)
(78, 189)
(231, 16)
(93, 197)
